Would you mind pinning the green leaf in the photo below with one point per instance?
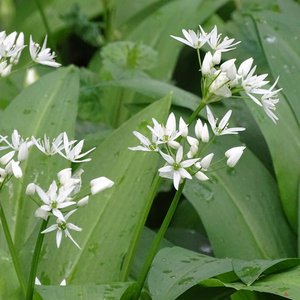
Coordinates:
(163, 24)
(113, 220)
(241, 213)
(47, 107)
(113, 291)
(250, 271)
(175, 270)
(9, 287)
(154, 89)
(285, 284)
(279, 43)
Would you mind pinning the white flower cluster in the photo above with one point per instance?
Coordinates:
(62, 194)
(223, 80)
(11, 47)
(184, 154)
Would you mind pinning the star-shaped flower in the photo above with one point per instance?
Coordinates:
(193, 39)
(54, 200)
(42, 55)
(222, 127)
(62, 227)
(176, 167)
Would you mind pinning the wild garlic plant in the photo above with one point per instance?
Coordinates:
(12, 46)
(185, 149)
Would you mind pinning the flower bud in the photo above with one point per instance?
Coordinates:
(30, 190)
(100, 184)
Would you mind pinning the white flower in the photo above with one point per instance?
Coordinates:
(54, 200)
(269, 100)
(62, 226)
(217, 44)
(69, 181)
(73, 150)
(192, 39)
(47, 147)
(220, 85)
(251, 83)
(42, 55)
(14, 169)
(100, 184)
(233, 155)
(175, 168)
(201, 131)
(18, 145)
(166, 134)
(11, 46)
(146, 145)
(230, 69)
(222, 127)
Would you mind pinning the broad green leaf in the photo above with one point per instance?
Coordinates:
(279, 41)
(279, 34)
(285, 284)
(47, 107)
(113, 220)
(114, 291)
(269, 53)
(250, 271)
(9, 285)
(163, 23)
(241, 213)
(175, 270)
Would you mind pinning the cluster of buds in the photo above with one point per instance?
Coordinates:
(224, 80)
(11, 47)
(184, 155)
(63, 193)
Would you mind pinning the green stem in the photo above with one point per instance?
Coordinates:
(197, 111)
(156, 242)
(12, 249)
(35, 261)
(199, 57)
(107, 19)
(44, 19)
(132, 249)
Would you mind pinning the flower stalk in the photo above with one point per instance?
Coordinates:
(157, 240)
(12, 249)
(35, 260)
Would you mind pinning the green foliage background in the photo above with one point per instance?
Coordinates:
(126, 70)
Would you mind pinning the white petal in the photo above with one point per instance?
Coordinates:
(50, 228)
(225, 120)
(205, 161)
(58, 238)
